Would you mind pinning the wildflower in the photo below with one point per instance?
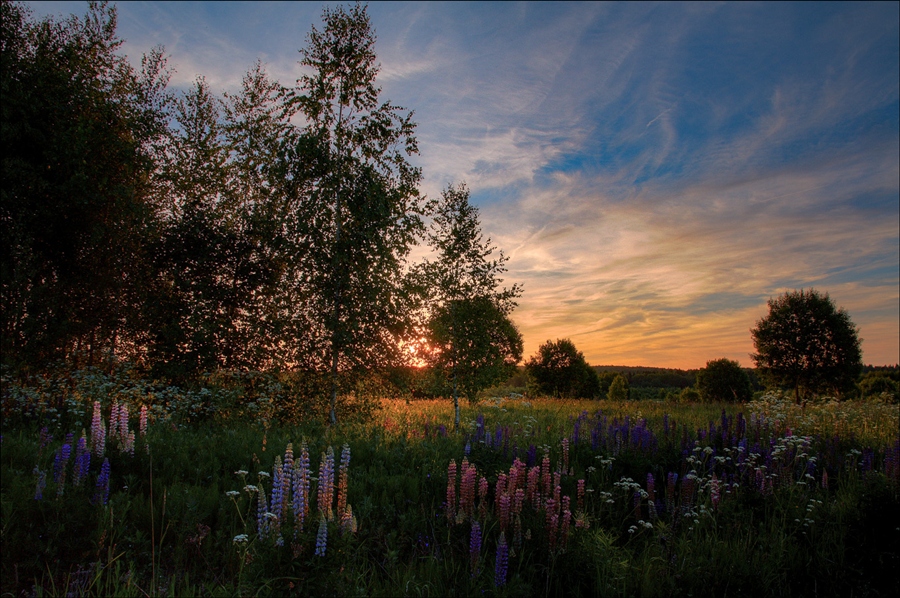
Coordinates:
(124, 434)
(300, 479)
(825, 479)
(565, 452)
(232, 494)
(348, 521)
(475, 547)
(101, 494)
(545, 474)
(451, 491)
(262, 522)
(467, 489)
(143, 421)
(322, 537)
(501, 561)
(241, 539)
(503, 507)
(60, 462)
(326, 484)
(482, 497)
(241, 472)
(276, 504)
(342, 480)
(114, 420)
(518, 500)
(82, 461)
(564, 525)
(287, 470)
(580, 494)
(41, 483)
(533, 492)
(98, 432)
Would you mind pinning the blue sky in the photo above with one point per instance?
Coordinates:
(655, 172)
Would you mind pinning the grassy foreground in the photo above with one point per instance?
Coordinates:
(541, 497)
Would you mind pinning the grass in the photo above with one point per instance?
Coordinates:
(759, 499)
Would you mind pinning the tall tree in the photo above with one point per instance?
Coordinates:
(723, 380)
(560, 370)
(360, 213)
(469, 328)
(808, 344)
(78, 129)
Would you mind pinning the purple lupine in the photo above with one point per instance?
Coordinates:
(322, 537)
(41, 483)
(60, 464)
(502, 561)
(276, 503)
(262, 513)
(82, 461)
(475, 547)
(651, 495)
(101, 492)
(286, 477)
(343, 471)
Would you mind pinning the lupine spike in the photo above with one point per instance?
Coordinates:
(501, 561)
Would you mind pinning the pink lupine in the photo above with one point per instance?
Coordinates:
(98, 432)
(143, 421)
(114, 420)
(546, 488)
(451, 491)
(564, 527)
(123, 425)
(565, 454)
(518, 500)
(503, 504)
(580, 494)
(467, 491)
(533, 492)
(482, 497)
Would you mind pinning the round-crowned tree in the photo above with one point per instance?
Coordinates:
(560, 370)
(807, 344)
(723, 380)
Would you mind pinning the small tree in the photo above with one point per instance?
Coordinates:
(468, 328)
(808, 344)
(618, 390)
(723, 380)
(560, 370)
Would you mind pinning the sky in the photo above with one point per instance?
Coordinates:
(655, 173)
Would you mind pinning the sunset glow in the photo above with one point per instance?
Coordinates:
(655, 172)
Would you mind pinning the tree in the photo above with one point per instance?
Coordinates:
(723, 380)
(473, 345)
(78, 129)
(359, 213)
(618, 390)
(805, 342)
(560, 370)
(471, 341)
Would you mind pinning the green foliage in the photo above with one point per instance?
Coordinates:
(470, 342)
(360, 215)
(618, 390)
(723, 380)
(807, 344)
(876, 385)
(560, 370)
(76, 200)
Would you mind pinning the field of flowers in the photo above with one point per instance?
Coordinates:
(116, 489)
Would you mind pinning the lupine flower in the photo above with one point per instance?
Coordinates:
(143, 421)
(565, 454)
(580, 494)
(60, 463)
(501, 561)
(687, 493)
(326, 484)
(564, 526)
(301, 489)
(482, 497)
(82, 461)
(287, 470)
(114, 420)
(342, 480)
(825, 479)
(124, 434)
(546, 489)
(533, 493)
(518, 501)
(451, 491)
(467, 490)
(322, 537)
(503, 504)
(101, 494)
(98, 432)
(670, 490)
(500, 486)
(552, 527)
(475, 547)
(262, 508)
(276, 504)
(41, 483)
(348, 521)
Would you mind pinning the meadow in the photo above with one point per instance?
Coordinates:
(110, 487)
